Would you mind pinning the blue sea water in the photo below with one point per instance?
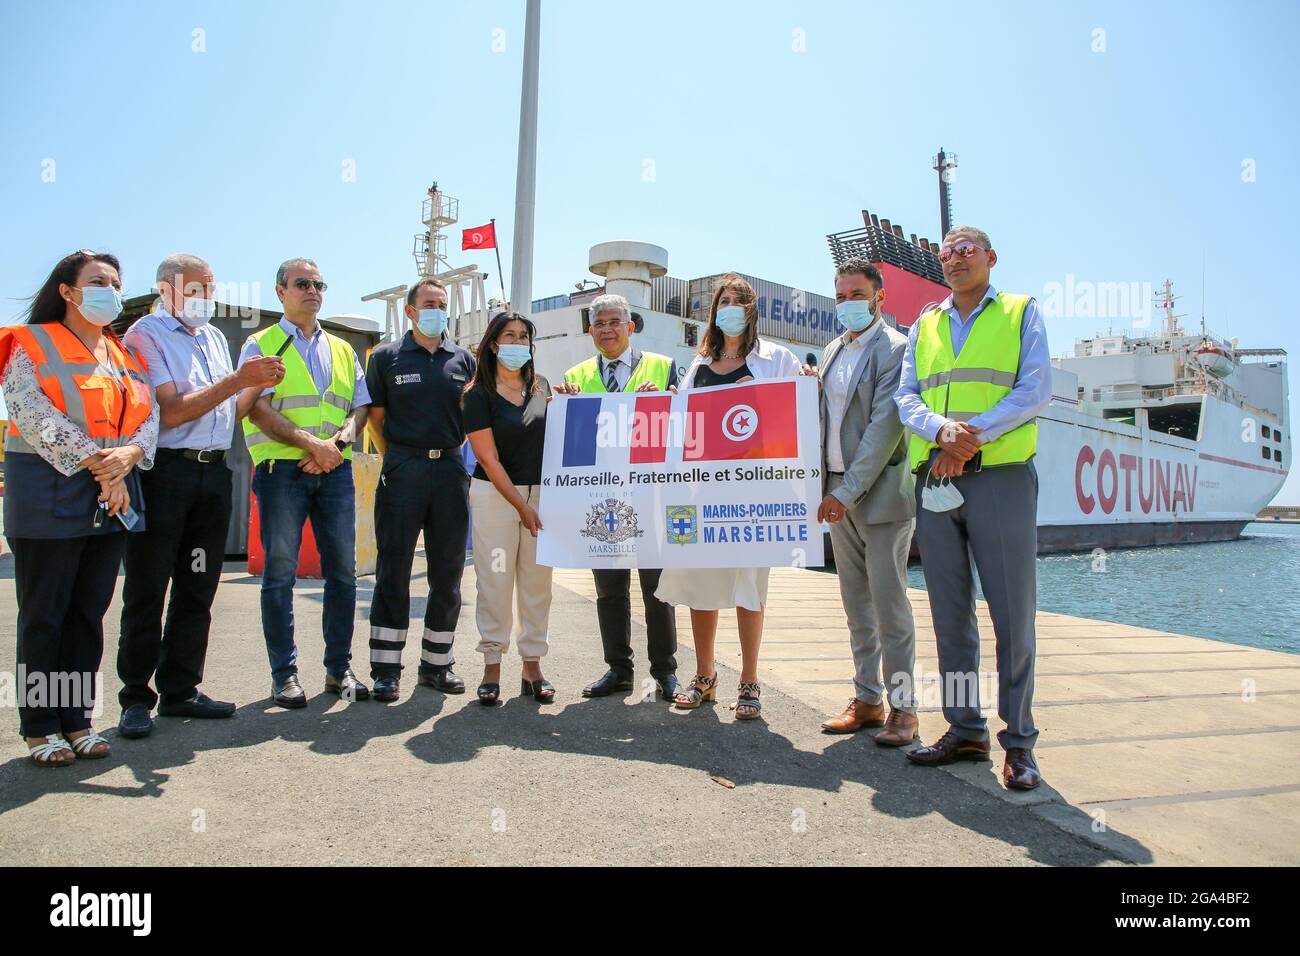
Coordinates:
(1245, 591)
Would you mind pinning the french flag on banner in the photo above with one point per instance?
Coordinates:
(750, 421)
(647, 439)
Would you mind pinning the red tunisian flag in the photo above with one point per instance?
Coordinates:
(480, 237)
(752, 421)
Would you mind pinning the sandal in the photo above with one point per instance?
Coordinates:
(90, 746)
(702, 688)
(540, 690)
(748, 698)
(51, 753)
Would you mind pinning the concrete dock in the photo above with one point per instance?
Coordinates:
(1156, 748)
(1165, 748)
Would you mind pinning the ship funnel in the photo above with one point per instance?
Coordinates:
(628, 267)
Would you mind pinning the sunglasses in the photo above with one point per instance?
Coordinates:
(305, 284)
(965, 249)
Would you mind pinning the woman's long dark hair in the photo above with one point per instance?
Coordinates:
(485, 373)
(743, 293)
(47, 305)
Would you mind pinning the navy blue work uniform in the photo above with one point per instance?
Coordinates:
(423, 487)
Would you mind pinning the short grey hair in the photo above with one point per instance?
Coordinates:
(177, 264)
(609, 302)
(980, 235)
(282, 273)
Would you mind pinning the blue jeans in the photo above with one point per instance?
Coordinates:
(286, 497)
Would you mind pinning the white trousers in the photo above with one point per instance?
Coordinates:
(507, 573)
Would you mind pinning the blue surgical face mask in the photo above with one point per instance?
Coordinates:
(731, 320)
(100, 304)
(855, 314)
(514, 356)
(432, 322)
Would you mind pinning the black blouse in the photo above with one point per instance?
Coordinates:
(519, 430)
(706, 377)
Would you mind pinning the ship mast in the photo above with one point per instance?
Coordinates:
(1166, 301)
(464, 321)
(945, 164)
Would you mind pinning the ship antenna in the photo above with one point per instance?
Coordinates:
(1202, 293)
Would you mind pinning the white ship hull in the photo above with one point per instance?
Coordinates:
(1105, 484)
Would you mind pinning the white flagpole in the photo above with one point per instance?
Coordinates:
(521, 267)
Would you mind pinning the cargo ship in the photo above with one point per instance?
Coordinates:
(1165, 437)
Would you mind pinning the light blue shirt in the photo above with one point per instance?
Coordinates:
(190, 359)
(1027, 399)
(316, 355)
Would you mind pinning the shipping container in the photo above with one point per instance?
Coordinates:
(670, 296)
(550, 302)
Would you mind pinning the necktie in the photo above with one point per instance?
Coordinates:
(611, 379)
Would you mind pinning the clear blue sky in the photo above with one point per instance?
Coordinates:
(1122, 165)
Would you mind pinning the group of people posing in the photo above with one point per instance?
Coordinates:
(115, 454)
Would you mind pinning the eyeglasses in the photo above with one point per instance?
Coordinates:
(606, 326)
(965, 249)
(305, 284)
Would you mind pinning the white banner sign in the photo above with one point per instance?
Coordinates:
(726, 477)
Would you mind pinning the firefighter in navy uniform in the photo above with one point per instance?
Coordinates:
(415, 387)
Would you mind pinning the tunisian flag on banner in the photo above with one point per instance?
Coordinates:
(480, 237)
(751, 421)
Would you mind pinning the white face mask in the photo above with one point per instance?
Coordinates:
(942, 496)
(198, 312)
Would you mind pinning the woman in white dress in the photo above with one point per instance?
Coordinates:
(731, 353)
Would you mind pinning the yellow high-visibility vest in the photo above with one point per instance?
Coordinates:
(959, 387)
(296, 397)
(652, 368)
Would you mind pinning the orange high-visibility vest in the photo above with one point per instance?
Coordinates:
(108, 412)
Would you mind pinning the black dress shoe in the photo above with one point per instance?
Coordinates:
(347, 686)
(669, 687)
(1020, 770)
(200, 705)
(387, 688)
(949, 749)
(445, 680)
(289, 693)
(541, 690)
(610, 683)
(135, 722)
(489, 694)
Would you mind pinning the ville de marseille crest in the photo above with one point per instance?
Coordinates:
(611, 521)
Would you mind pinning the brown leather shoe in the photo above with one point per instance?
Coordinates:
(1020, 770)
(949, 749)
(900, 729)
(856, 716)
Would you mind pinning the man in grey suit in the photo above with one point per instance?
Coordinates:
(870, 505)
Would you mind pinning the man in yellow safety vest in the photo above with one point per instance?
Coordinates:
(976, 375)
(300, 437)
